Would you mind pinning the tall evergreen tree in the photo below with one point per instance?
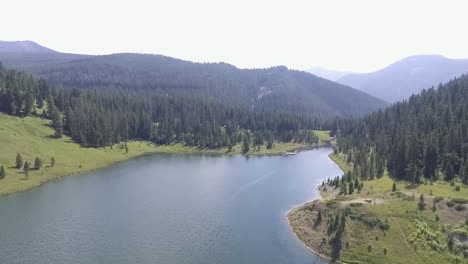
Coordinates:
(19, 161)
(38, 163)
(26, 168)
(2, 172)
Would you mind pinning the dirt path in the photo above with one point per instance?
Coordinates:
(364, 201)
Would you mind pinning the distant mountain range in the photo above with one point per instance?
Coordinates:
(327, 74)
(272, 89)
(27, 54)
(23, 47)
(408, 76)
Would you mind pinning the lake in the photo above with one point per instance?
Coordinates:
(167, 209)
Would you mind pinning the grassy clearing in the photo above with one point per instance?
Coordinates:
(414, 235)
(31, 137)
(323, 135)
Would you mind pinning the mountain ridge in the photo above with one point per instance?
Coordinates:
(408, 76)
(25, 46)
(276, 88)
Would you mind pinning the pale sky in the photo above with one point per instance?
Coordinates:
(343, 35)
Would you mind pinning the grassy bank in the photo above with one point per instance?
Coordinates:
(31, 137)
(385, 226)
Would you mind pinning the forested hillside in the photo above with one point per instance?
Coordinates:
(97, 118)
(423, 139)
(276, 88)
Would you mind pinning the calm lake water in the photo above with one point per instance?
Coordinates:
(167, 209)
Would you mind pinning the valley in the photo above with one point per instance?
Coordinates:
(228, 155)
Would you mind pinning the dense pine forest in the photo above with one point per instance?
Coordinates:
(96, 118)
(422, 139)
(271, 89)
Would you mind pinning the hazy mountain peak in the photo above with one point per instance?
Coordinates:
(408, 76)
(327, 73)
(25, 46)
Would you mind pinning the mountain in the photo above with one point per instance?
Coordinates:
(26, 54)
(276, 88)
(327, 74)
(423, 137)
(272, 89)
(408, 76)
(23, 47)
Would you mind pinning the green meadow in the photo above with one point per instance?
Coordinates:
(31, 137)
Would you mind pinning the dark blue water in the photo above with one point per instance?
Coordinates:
(167, 209)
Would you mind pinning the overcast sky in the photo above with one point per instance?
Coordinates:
(345, 35)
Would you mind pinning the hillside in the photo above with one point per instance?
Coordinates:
(327, 74)
(32, 137)
(27, 54)
(405, 183)
(276, 88)
(408, 76)
(23, 47)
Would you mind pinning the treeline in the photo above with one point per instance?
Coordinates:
(424, 138)
(96, 118)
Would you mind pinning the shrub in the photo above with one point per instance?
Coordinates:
(450, 203)
(460, 207)
(460, 200)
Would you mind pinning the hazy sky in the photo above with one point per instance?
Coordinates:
(346, 35)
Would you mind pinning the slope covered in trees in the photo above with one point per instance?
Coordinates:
(276, 88)
(97, 118)
(409, 76)
(422, 139)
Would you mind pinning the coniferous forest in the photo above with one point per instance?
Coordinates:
(422, 139)
(96, 118)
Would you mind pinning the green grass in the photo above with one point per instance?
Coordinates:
(384, 185)
(323, 135)
(405, 221)
(31, 137)
(340, 161)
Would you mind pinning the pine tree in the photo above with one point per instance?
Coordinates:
(57, 122)
(319, 218)
(465, 175)
(351, 188)
(38, 163)
(394, 189)
(245, 146)
(269, 144)
(421, 203)
(52, 162)
(26, 168)
(450, 243)
(2, 172)
(372, 166)
(19, 161)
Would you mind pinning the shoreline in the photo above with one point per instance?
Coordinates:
(294, 209)
(322, 256)
(192, 151)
